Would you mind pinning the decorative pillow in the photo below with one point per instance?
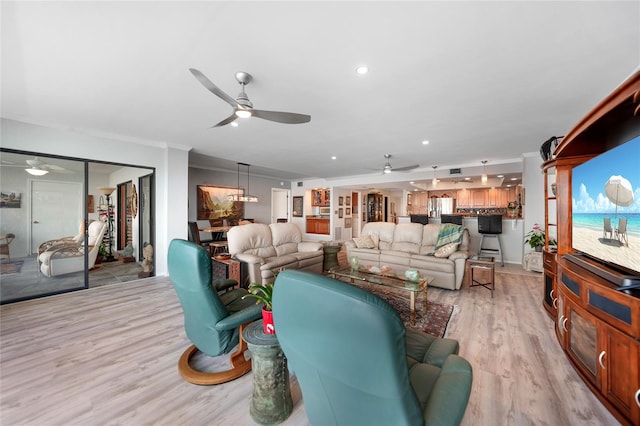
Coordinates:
(449, 233)
(446, 251)
(364, 242)
(376, 240)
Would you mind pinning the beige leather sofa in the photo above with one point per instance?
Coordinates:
(269, 248)
(411, 246)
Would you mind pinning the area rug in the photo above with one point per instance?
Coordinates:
(432, 318)
(7, 268)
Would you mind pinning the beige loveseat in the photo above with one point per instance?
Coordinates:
(269, 248)
(412, 246)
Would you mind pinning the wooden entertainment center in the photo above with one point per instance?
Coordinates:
(597, 326)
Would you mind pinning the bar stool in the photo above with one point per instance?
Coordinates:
(490, 226)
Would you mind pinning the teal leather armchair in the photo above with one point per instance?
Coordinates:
(355, 362)
(213, 322)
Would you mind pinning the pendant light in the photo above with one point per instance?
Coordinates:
(434, 181)
(484, 172)
(246, 198)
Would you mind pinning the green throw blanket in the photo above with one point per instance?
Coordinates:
(449, 233)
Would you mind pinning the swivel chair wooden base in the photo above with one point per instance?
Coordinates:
(240, 366)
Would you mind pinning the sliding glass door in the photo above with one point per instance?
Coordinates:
(61, 226)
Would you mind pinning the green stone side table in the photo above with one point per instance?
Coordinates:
(271, 397)
(330, 255)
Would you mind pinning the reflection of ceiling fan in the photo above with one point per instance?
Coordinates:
(37, 167)
(242, 107)
(388, 169)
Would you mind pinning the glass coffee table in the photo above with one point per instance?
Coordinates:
(389, 280)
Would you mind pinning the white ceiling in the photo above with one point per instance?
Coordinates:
(479, 80)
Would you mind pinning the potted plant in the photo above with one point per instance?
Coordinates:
(102, 253)
(535, 238)
(264, 293)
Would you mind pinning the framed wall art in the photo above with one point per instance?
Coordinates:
(348, 200)
(10, 200)
(340, 213)
(298, 206)
(340, 200)
(213, 203)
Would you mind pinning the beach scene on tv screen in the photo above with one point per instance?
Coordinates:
(606, 206)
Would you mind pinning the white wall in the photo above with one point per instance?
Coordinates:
(170, 163)
(533, 181)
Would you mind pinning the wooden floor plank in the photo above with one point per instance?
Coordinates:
(109, 355)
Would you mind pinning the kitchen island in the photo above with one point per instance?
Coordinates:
(512, 237)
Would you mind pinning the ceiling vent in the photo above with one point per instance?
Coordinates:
(455, 171)
(300, 184)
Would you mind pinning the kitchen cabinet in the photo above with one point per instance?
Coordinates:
(318, 225)
(321, 197)
(479, 198)
(463, 198)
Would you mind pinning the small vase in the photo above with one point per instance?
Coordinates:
(355, 264)
(538, 248)
(267, 322)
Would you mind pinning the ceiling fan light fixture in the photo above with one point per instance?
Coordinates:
(36, 171)
(243, 113)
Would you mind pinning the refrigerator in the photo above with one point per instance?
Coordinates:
(439, 206)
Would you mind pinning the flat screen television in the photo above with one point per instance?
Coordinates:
(605, 202)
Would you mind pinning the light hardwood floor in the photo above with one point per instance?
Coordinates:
(109, 355)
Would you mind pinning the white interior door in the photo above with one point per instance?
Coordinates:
(279, 204)
(56, 210)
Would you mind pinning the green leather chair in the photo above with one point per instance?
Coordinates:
(213, 321)
(348, 350)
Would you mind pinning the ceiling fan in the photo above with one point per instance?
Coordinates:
(242, 107)
(37, 167)
(388, 169)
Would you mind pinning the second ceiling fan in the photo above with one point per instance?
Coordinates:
(242, 106)
(388, 169)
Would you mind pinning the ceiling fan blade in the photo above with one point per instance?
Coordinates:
(227, 120)
(406, 168)
(281, 117)
(213, 88)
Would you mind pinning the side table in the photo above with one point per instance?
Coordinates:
(482, 265)
(271, 396)
(532, 262)
(330, 255)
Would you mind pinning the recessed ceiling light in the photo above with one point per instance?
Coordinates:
(234, 124)
(333, 157)
(500, 176)
(514, 178)
(425, 142)
(411, 182)
(362, 70)
(467, 178)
